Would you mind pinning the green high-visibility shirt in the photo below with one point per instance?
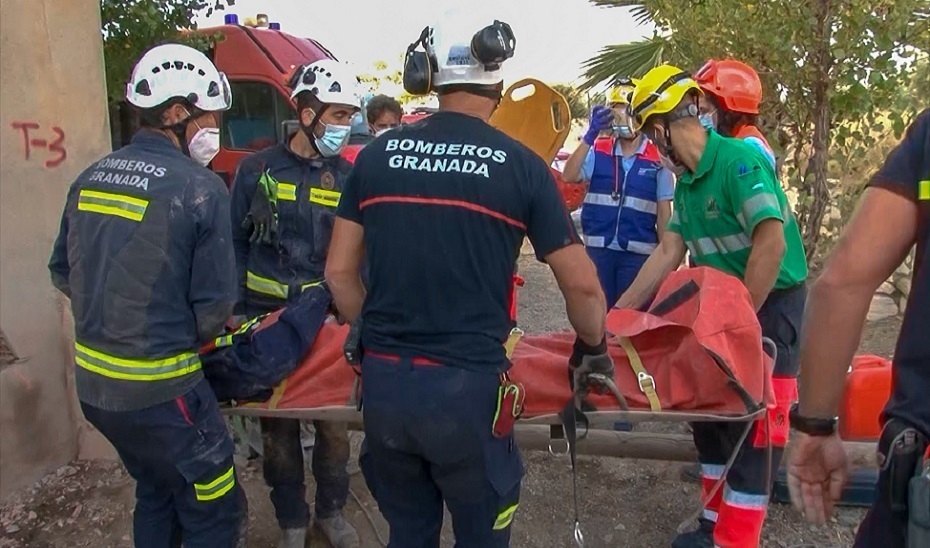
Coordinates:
(718, 206)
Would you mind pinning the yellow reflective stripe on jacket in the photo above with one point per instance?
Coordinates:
(107, 203)
(135, 370)
(505, 518)
(227, 340)
(287, 191)
(311, 284)
(217, 488)
(328, 198)
(923, 190)
(264, 285)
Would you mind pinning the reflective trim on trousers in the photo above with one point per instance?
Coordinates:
(217, 488)
(135, 370)
(744, 500)
(505, 518)
(923, 192)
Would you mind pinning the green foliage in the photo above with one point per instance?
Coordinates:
(381, 73)
(579, 101)
(130, 27)
(838, 75)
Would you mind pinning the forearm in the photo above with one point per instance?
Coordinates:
(762, 270)
(833, 321)
(348, 294)
(587, 312)
(572, 172)
(656, 268)
(663, 215)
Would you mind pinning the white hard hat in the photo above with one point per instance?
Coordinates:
(330, 81)
(450, 45)
(174, 70)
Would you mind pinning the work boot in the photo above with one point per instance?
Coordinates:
(690, 473)
(702, 537)
(293, 538)
(338, 532)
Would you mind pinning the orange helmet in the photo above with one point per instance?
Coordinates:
(735, 84)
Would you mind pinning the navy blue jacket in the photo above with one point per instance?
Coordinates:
(145, 254)
(308, 193)
(247, 366)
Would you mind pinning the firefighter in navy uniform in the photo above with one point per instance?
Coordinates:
(438, 209)
(284, 201)
(893, 215)
(145, 254)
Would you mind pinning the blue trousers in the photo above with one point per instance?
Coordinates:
(427, 441)
(616, 271)
(180, 454)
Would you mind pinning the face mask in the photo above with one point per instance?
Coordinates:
(671, 165)
(381, 132)
(624, 132)
(204, 145)
(707, 120)
(333, 140)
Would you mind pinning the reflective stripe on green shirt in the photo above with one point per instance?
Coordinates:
(718, 207)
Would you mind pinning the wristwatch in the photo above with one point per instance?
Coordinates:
(811, 426)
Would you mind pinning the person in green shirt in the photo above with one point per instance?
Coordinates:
(732, 215)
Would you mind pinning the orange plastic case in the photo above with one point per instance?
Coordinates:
(868, 387)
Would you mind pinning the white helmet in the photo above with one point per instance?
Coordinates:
(175, 70)
(450, 45)
(329, 80)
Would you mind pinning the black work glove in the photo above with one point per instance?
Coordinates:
(589, 365)
(261, 219)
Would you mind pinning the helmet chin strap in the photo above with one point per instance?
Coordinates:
(308, 130)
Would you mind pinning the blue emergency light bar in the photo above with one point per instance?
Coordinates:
(274, 26)
(231, 19)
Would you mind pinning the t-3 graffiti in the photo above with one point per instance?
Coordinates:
(55, 146)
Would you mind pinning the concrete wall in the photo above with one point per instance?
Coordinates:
(52, 88)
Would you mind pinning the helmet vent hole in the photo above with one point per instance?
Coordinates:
(190, 66)
(166, 65)
(213, 90)
(201, 72)
(179, 65)
(335, 88)
(143, 88)
(155, 70)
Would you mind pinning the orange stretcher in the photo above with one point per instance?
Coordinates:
(697, 354)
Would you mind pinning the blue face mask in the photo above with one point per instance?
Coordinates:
(333, 140)
(707, 120)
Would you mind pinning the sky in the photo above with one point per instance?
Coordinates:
(554, 37)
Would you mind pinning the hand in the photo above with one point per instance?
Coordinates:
(586, 361)
(817, 471)
(261, 219)
(601, 117)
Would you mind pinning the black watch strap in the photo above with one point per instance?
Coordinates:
(810, 425)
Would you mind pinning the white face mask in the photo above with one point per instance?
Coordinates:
(383, 131)
(204, 145)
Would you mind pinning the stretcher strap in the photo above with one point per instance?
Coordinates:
(647, 384)
(515, 334)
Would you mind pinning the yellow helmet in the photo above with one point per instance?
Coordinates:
(660, 91)
(620, 92)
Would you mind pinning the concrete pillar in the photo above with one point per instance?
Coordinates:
(53, 124)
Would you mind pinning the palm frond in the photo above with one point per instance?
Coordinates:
(641, 14)
(624, 60)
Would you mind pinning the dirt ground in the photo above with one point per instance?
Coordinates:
(623, 502)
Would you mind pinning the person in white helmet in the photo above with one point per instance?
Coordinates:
(438, 209)
(145, 255)
(284, 203)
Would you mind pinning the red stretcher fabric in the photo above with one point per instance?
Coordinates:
(698, 313)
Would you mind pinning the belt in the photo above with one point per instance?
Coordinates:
(135, 370)
(788, 290)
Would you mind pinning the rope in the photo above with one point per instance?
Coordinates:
(371, 520)
(723, 477)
